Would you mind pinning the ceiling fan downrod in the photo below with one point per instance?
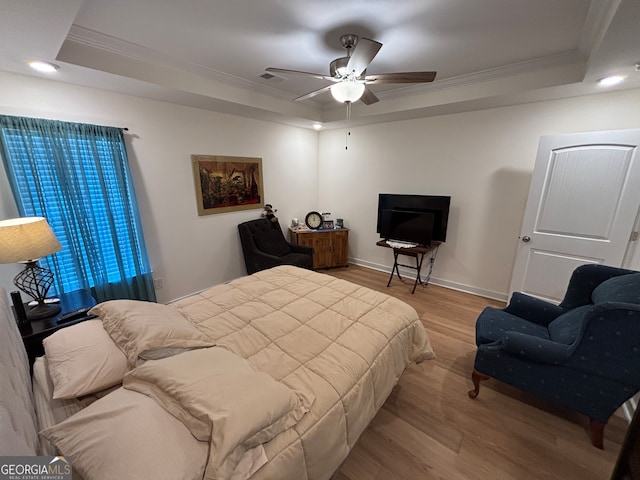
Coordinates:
(338, 67)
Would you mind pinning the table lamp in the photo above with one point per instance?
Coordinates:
(26, 240)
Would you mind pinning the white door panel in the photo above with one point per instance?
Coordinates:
(549, 273)
(583, 201)
(587, 190)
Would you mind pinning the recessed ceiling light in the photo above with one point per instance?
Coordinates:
(317, 126)
(44, 67)
(610, 81)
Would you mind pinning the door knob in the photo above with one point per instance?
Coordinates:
(526, 238)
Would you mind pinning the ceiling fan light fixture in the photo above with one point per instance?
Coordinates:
(347, 91)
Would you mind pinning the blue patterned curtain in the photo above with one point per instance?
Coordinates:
(77, 177)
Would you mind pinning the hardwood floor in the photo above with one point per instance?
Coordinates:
(430, 429)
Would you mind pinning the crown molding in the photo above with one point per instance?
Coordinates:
(117, 46)
(94, 39)
(505, 71)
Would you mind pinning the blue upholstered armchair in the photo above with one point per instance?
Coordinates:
(583, 354)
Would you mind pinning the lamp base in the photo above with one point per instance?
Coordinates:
(36, 281)
(43, 310)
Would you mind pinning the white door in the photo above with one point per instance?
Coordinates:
(582, 206)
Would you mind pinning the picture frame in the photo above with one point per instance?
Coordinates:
(226, 184)
(327, 225)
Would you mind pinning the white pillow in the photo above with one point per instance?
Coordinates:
(128, 436)
(139, 327)
(219, 397)
(83, 359)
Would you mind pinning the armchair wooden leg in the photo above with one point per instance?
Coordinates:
(597, 433)
(476, 378)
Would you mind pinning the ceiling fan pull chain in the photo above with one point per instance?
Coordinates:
(347, 131)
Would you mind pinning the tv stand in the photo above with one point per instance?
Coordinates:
(416, 252)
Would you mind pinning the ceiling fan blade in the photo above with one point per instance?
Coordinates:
(362, 55)
(284, 71)
(314, 93)
(400, 77)
(368, 97)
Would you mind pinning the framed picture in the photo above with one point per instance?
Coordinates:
(327, 224)
(225, 184)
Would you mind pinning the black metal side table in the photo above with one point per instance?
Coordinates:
(418, 253)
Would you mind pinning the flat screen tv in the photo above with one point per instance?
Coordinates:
(427, 217)
(407, 226)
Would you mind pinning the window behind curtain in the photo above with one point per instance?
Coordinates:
(77, 177)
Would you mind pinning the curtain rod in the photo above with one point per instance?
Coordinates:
(126, 129)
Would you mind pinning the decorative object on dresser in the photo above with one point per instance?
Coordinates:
(313, 220)
(264, 246)
(330, 247)
(270, 212)
(26, 240)
(583, 354)
(225, 184)
(74, 307)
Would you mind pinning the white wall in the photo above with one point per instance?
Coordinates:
(483, 159)
(189, 252)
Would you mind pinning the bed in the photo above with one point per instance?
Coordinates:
(273, 375)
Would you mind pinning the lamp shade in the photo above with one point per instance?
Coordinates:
(347, 91)
(26, 239)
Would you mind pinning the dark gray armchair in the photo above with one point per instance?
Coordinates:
(264, 246)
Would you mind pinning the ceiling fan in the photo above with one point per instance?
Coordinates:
(348, 74)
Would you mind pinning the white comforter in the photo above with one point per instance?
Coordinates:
(340, 346)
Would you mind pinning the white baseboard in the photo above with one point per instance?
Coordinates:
(435, 281)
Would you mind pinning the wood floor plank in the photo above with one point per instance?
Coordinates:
(430, 429)
(421, 447)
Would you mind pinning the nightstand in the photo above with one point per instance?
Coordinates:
(43, 327)
(330, 246)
